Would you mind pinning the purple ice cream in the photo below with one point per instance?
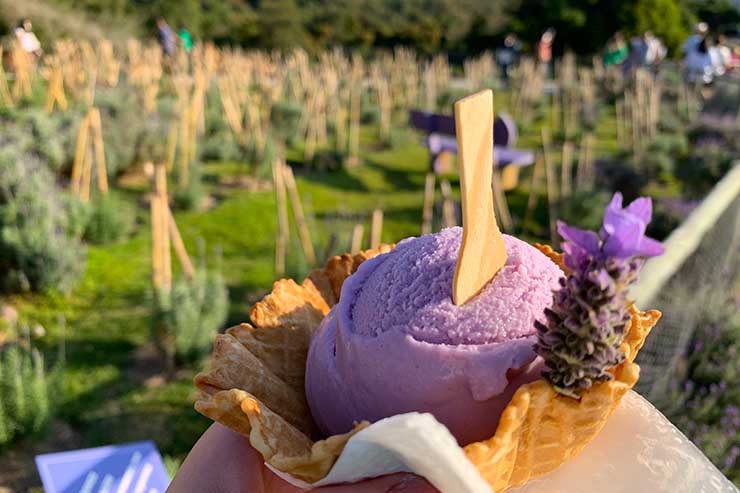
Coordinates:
(396, 343)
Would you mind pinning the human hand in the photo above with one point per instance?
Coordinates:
(223, 461)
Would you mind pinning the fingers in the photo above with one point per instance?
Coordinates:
(395, 483)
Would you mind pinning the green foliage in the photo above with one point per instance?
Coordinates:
(327, 160)
(110, 219)
(618, 174)
(704, 398)
(286, 117)
(220, 146)
(190, 196)
(584, 209)
(38, 245)
(194, 312)
(49, 137)
(703, 167)
(130, 135)
(26, 393)
(663, 18)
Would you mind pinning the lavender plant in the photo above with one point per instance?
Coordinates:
(586, 324)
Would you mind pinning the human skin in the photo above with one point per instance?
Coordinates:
(223, 461)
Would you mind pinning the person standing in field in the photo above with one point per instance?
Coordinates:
(508, 55)
(616, 51)
(186, 40)
(544, 50)
(166, 37)
(28, 40)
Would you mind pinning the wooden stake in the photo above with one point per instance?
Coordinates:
(428, 207)
(5, 96)
(96, 128)
(162, 224)
(534, 187)
(357, 233)
(80, 151)
(295, 201)
(179, 246)
(499, 199)
(566, 165)
(482, 252)
(281, 243)
(449, 218)
(551, 184)
(376, 228)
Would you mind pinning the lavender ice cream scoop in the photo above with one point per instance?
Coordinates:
(396, 343)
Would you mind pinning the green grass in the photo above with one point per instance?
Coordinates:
(109, 394)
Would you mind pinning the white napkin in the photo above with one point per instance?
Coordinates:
(638, 451)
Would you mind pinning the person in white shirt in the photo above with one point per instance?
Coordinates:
(27, 39)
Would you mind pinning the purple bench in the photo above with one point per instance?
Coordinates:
(441, 141)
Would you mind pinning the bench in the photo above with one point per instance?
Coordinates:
(442, 143)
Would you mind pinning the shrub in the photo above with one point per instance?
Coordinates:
(190, 197)
(192, 313)
(26, 390)
(584, 209)
(703, 167)
(285, 117)
(619, 175)
(38, 245)
(327, 160)
(109, 220)
(220, 146)
(704, 398)
(668, 213)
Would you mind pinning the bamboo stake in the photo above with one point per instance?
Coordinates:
(157, 275)
(428, 207)
(566, 177)
(160, 183)
(449, 218)
(281, 243)
(376, 228)
(96, 129)
(5, 95)
(86, 176)
(357, 233)
(171, 146)
(80, 151)
(550, 184)
(304, 233)
(502, 207)
(533, 188)
(179, 246)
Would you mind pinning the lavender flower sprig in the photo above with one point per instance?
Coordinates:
(586, 324)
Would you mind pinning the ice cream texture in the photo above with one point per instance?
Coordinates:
(396, 343)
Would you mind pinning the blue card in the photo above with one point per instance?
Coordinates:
(131, 468)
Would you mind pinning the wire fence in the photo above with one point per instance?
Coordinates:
(699, 265)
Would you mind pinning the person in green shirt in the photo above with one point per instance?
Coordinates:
(616, 51)
(186, 40)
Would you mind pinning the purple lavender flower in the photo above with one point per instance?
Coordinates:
(586, 325)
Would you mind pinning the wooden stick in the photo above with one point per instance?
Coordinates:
(96, 129)
(357, 233)
(179, 246)
(160, 183)
(304, 233)
(80, 151)
(551, 185)
(499, 200)
(171, 146)
(428, 207)
(376, 228)
(449, 218)
(482, 252)
(157, 276)
(86, 175)
(281, 243)
(566, 165)
(533, 189)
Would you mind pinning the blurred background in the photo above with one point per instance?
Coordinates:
(163, 162)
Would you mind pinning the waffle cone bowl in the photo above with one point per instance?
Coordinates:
(256, 387)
